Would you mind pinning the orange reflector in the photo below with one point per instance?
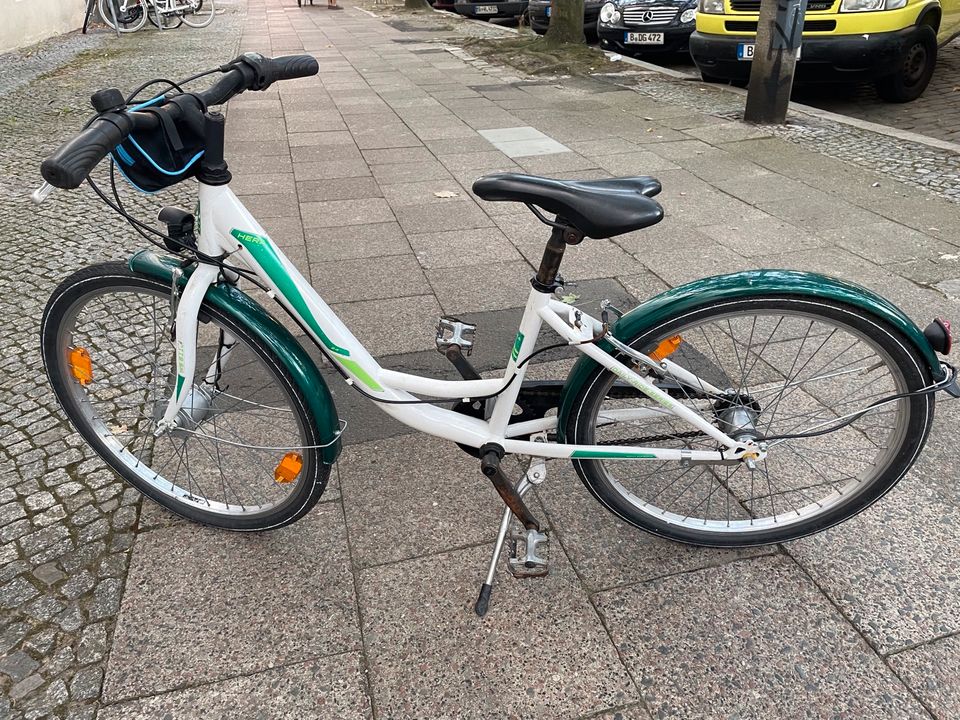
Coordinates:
(288, 468)
(80, 365)
(666, 348)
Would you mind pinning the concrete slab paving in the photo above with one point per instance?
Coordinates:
(330, 687)
(383, 516)
(930, 670)
(262, 600)
(893, 592)
(753, 623)
(430, 656)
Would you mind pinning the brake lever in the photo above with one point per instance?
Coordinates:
(42, 193)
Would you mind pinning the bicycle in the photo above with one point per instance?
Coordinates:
(738, 410)
(132, 15)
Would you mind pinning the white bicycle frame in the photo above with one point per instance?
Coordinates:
(227, 227)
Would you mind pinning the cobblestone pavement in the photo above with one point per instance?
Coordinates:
(936, 113)
(111, 607)
(911, 163)
(66, 523)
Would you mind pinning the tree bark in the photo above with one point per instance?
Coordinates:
(566, 22)
(779, 34)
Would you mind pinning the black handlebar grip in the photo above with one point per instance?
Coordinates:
(289, 67)
(70, 164)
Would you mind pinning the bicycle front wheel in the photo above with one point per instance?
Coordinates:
(131, 15)
(199, 13)
(792, 372)
(244, 453)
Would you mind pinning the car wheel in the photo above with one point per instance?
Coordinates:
(915, 68)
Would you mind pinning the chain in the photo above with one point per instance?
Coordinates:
(653, 438)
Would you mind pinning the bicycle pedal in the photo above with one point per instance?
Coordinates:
(452, 331)
(528, 554)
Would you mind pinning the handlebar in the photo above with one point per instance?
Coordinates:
(73, 161)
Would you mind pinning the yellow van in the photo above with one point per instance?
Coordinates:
(892, 43)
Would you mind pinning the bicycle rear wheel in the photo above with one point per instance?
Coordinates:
(131, 14)
(788, 367)
(199, 13)
(164, 21)
(243, 456)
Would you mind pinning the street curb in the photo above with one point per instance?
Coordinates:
(880, 129)
(649, 66)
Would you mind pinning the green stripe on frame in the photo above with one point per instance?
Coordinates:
(262, 250)
(361, 374)
(610, 454)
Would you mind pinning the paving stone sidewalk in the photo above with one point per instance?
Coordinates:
(112, 608)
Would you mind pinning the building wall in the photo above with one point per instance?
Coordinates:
(25, 22)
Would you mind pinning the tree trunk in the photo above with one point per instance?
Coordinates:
(779, 33)
(566, 22)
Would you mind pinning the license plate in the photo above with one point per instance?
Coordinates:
(486, 9)
(641, 38)
(745, 51)
(548, 10)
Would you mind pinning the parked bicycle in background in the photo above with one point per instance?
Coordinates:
(132, 15)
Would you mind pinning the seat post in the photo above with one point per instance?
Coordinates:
(546, 278)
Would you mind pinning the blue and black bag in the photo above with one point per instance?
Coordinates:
(163, 157)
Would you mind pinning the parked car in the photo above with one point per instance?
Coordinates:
(892, 43)
(487, 10)
(637, 27)
(539, 11)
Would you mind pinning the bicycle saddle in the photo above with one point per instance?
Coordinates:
(597, 208)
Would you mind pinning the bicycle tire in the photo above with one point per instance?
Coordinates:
(102, 420)
(173, 20)
(137, 16)
(207, 19)
(638, 500)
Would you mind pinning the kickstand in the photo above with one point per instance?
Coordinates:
(483, 602)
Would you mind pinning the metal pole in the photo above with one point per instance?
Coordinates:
(113, 11)
(779, 35)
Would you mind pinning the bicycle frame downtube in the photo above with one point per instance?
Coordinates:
(228, 229)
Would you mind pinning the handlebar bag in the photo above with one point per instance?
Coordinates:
(154, 160)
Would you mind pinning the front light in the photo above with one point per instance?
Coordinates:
(688, 16)
(713, 7)
(609, 14)
(861, 5)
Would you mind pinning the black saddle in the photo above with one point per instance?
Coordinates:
(597, 208)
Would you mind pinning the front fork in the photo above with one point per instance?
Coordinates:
(184, 331)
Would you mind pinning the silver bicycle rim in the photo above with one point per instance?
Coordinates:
(807, 373)
(201, 13)
(226, 463)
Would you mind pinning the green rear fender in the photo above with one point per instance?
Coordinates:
(245, 311)
(744, 285)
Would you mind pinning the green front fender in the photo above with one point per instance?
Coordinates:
(744, 285)
(245, 311)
